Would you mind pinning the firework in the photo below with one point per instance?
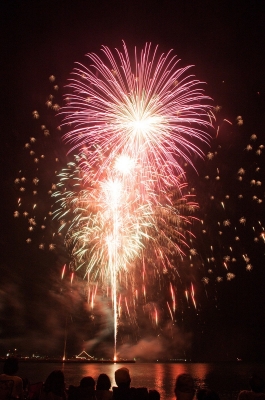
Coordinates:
(108, 227)
(133, 124)
(148, 110)
(130, 161)
(120, 204)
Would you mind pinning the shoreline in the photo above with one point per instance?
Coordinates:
(73, 361)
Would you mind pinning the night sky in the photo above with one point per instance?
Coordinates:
(225, 42)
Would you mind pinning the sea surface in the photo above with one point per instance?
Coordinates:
(226, 378)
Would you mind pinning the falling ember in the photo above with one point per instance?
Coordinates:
(144, 292)
(93, 295)
(63, 271)
(171, 315)
(72, 277)
(229, 122)
(173, 298)
(92, 300)
(143, 270)
(127, 308)
(192, 295)
(192, 289)
(88, 295)
(194, 302)
(156, 317)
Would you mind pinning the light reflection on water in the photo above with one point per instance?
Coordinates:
(226, 379)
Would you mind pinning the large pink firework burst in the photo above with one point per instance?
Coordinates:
(150, 110)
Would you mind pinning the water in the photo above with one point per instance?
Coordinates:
(226, 379)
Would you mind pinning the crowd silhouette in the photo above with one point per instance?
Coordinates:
(13, 387)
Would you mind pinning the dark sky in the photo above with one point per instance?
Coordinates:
(225, 41)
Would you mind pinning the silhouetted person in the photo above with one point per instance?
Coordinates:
(86, 390)
(207, 394)
(200, 394)
(257, 387)
(72, 392)
(10, 369)
(154, 395)
(26, 385)
(184, 387)
(103, 386)
(54, 387)
(124, 391)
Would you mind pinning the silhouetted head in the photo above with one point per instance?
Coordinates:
(154, 395)
(256, 383)
(201, 393)
(87, 382)
(55, 383)
(184, 387)
(103, 382)
(10, 366)
(207, 394)
(122, 377)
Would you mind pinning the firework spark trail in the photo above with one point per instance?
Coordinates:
(171, 315)
(156, 317)
(96, 212)
(193, 295)
(110, 226)
(81, 199)
(103, 213)
(63, 271)
(113, 244)
(173, 297)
